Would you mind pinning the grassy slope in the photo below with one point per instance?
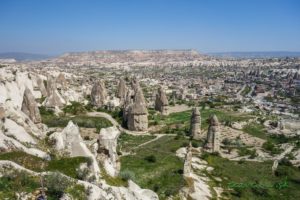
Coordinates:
(128, 142)
(66, 166)
(259, 172)
(184, 117)
(164, 175)
(21, 182)
(81, 121)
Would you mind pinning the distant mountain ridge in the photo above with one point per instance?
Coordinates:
(21, 56)
(256, 54)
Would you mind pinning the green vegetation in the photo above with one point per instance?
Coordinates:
(127, 142)
(179, 122)
(243, 151)
(114, 181)
(256, 130)
(155, 166)
(271, 148)
(75, 108)
(57, 185)
(77, 192)
(80, 120)
(246, 90)
(52, 120)
(17, 181)
(254, 172)
(66, 166)
(117, 114)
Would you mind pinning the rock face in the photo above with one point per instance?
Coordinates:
(122, 90)
(161, 102)
(197, 186)
(139, 95)
(51, 85)
(2, 112)
(195, 129)
(70, 142)
(98, 94)
(213, 134)
(54, 99)
(107, 150)
(61, 81)
(41, 86)
(137, 119)
(126, 105)
(30, 108)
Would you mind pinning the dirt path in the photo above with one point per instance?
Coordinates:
(115, 123)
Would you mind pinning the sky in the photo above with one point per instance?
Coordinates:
(57, 26)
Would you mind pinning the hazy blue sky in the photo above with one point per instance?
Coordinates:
(56, 26)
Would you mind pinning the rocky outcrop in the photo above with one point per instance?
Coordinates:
(139, 96)
(101, 191)
(197, 186)
(161, 102)
(98, 94)
(195, 129)
(70, 143)
(51, 85)
(107, 150)
(137, 119)
(2, 112)
(122, 90)
(127, 103)
(54, 98)
(213, 135)
(42, 87)
(30, 108)
(61, 81)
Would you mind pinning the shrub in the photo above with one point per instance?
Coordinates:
(150, 158)
(269, 146)
(57, 184)
(127, 175)
(45, 111)
(75, 108)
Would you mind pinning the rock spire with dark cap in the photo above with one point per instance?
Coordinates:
(137, 117)
(195, 129)
(213, 134)
(98, 94)
(29, 107)
(161, 102)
